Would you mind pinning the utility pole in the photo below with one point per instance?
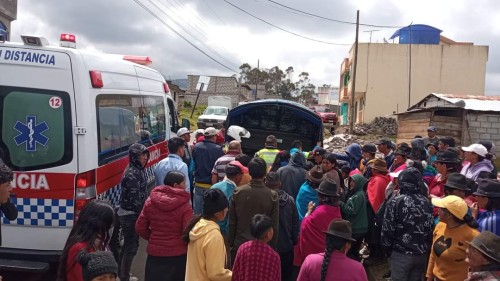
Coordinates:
(257, 81)
(409, 71)
(371, 31)
(353, 92)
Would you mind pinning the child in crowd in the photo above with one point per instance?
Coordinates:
(98, 266)
(91, 233)
(255, 260)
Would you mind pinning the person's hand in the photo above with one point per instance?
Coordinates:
(474, 209)
(310, 207)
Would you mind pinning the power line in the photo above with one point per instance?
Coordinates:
(333, 20)
(180, 35)
(199, 30)
(282, 29)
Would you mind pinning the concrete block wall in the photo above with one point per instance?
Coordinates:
(484, 126)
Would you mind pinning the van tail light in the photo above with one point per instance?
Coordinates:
(85, 190)
(166, 89)
(96, 79)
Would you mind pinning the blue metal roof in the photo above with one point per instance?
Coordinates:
(418, 34)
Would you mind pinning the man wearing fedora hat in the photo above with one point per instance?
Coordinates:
(488, 199)
(333, 264)
(307, 192)
(368, 152)
(483, 257)
(446, 163)
(457, 185)
(400, 156)
(312, 238)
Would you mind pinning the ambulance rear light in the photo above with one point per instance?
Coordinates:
(85, 190)
(96, 79)
(34, 40)
(166, 89)
(142, 60)
(67, 40)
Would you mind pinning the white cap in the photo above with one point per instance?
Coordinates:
(182, 131)
(477, 148)
(210, 131)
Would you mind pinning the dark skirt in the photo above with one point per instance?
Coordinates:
(165, 268)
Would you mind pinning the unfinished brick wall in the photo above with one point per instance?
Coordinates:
(483, 126)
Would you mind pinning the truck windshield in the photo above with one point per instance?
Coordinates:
(215, 111)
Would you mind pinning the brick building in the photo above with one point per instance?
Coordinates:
(469, 119)
(218, 86)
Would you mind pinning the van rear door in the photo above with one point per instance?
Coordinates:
(37, 119)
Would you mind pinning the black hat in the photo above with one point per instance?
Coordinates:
(457, 181)
(418, 153)
(410, 179)
(369, 147)
(384, 141)
(488, 243)
(97, 263)
(432, 129)
(315, 175)
(214, 201)
(434, 144)
(328, 187)
(488, 188)
(446, 156)
(341, 229)
(403, 150)
(319, 151)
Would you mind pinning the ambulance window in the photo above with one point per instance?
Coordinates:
(172, 117)
(124, 120)
(36, 128)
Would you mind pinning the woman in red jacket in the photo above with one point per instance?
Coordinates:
(163, 219)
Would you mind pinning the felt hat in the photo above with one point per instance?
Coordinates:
(446, 156)
(340, 229)
(457, 181)
(488, 243)
(488, 188)
(379, 165)
(328, 187)
(315, 175)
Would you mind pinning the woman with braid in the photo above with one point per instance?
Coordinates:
(334, 264)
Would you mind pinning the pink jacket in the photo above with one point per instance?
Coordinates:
(163, 219)
(312, 232)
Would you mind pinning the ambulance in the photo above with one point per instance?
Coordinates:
(68, 117)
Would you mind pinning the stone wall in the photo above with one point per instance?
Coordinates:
(484, 126)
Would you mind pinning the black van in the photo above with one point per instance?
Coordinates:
(287, 120)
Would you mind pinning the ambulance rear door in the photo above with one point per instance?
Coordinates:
(38, 143)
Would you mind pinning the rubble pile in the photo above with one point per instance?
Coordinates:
(383, 126)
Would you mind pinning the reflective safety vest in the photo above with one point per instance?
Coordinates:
(268, 154)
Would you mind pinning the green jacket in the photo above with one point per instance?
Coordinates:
(354, 209)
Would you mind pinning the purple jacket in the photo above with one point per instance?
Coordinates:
(472, 171)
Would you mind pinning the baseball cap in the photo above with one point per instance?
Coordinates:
(210, 131)
(432, 129)
(454, 204)
(319, 151)
(477, 148)
(182, 131)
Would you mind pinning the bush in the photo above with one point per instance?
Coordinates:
(187, 104)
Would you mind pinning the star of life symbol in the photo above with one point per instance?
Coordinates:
(31, 133)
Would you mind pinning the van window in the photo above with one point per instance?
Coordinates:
(124, 120)
(36, 128)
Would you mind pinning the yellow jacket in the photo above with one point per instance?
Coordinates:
(206, 255)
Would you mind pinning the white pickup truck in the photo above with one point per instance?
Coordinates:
(216, 112)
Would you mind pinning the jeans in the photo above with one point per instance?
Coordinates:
(130, 245)
(165, 268)
(198, 200)
(286, 259)
(407, 267)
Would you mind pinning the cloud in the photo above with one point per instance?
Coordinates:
(232, 37)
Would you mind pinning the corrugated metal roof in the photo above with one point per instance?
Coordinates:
(477, 103)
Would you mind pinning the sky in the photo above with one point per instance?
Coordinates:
(219, 36)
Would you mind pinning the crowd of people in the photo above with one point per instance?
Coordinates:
(428, 207)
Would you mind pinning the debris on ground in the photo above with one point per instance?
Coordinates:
(381, 127)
